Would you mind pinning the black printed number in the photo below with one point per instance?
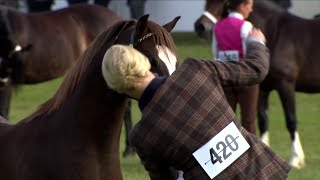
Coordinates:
(231, 57)
(229, 143)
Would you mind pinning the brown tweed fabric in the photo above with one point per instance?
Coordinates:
(190, 108)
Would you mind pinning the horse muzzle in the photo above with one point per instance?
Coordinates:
(203, 29)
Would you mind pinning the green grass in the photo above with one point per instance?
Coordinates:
(26, 100)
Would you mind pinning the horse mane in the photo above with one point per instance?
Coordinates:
(162, 37)
(268, 4)
(74, 75)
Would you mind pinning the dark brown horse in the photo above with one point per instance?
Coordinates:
(75, 134)
(294, 65)
(36, 47)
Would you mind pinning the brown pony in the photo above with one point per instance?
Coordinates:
(36, 47)
(75, 134)
(294, 64)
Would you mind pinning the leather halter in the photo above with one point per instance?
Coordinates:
(135, 43)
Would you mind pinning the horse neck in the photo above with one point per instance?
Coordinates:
(98, 108)
(92, 112)
(98, 113)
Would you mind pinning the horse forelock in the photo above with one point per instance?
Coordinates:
(162, 37)
(165, 46)
(94, 52)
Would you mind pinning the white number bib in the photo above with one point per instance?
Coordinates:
(222, 150)
(230, 55)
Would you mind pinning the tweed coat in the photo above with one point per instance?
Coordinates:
(190, 108)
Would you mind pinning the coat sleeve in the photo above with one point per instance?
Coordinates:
(251, 71)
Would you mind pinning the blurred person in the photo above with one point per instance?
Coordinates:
(10, 3)
(99, 2)
(39, 5)
(137, 7)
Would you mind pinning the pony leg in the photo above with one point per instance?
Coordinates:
(248, 100)
(263, 106)
(5, 96)
(287, 96)
(129, 149)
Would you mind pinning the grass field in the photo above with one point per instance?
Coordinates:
(27, 98)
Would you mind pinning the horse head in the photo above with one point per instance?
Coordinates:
(10, 50)
(214, 11)
(7, 46)
(155, 42)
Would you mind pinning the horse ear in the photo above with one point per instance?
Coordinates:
(170, 25)
(142, 25)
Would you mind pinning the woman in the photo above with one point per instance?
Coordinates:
(229, 44)
(186, 113)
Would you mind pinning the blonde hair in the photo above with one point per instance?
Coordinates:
(123, 66)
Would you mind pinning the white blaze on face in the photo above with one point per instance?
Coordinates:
(169, 59)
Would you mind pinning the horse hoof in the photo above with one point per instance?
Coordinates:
(129, 151)
(297, 163)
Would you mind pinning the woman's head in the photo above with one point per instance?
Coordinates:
(123, 67)
(243, 7)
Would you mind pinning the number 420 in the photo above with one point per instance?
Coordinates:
(229, 140)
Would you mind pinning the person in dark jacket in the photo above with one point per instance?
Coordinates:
(136, 6)
(10, 3)
(39, 5)
(187, 122)
(99, 2)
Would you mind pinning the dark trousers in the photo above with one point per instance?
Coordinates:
(39, 5)
(136, 8)
(247, 97)
(100, 2)
(11, 3)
